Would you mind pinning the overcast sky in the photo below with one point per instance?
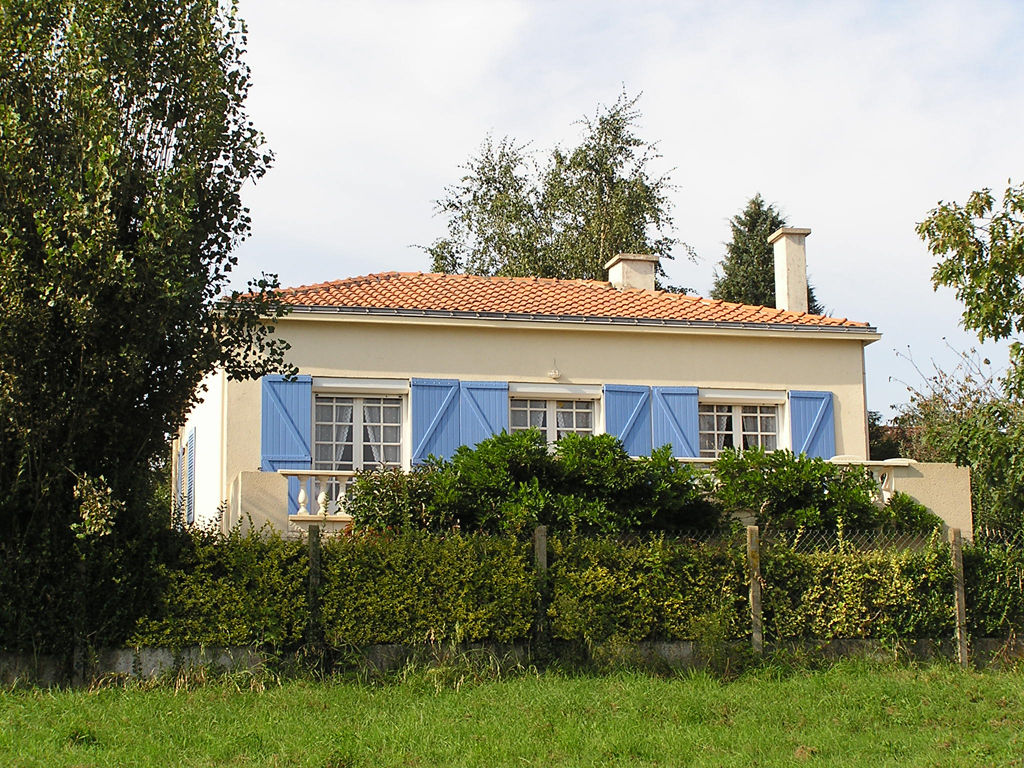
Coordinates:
(854, 118)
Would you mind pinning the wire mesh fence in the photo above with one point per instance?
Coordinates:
(833, 540)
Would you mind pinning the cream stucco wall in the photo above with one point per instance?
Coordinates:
(206, 417)
(517, 351)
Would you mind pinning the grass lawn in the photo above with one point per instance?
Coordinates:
(854, 714)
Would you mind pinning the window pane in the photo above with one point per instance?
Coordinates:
(583, 420)
(391, 454)
(519, 419)
(564, 419)
(768, 442)
(707, 423)
(750, 409)
(324, 412)
(371, 413)
(768, 424)
(538, 418)
(750, 423)
(392, 434)
(323, 433)
(392, 415)
(724, 423)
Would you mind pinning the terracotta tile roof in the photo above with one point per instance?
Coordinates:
(535, 296)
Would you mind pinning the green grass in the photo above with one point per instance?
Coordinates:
(853, 714)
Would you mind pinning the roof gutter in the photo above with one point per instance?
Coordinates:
(584, 320)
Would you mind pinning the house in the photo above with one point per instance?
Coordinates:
(394, 367)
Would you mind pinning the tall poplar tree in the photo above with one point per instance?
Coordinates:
(748, 270)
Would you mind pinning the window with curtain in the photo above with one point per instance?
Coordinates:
(554, 418)
(353, 433)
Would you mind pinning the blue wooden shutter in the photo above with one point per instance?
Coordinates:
(179, 483)
(435, 418)
(287, 429)
(627, 415)
(190, 500)
(812, 418)
(674, 419)
(483, 406)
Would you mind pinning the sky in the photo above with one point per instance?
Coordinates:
(855, 119)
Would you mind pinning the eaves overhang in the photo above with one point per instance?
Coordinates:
(864, 332)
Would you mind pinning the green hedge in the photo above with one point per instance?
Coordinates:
(852, 594)
(411, 587)
(414, 587)
(604, 589)
(251, 590)
(994, 587)
(235, 590)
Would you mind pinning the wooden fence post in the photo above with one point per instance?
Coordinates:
(540, 547)
(540, 560)
(314, 628)
(957, 551)
(754, 574)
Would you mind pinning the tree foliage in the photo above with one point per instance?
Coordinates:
(965, 415)
(124, 145)
(748, 270)
(971, 415)
(981, 257)
(564, 217)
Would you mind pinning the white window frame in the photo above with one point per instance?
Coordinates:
(736, 399)
(551, 409)
(359, 389)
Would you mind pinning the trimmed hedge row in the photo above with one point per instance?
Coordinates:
(649, 589)
(413, 587)
(251, 589)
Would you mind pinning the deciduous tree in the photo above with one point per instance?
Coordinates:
(124, 146)
(564, 217)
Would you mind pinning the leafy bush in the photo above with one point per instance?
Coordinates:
(415, 587)
(857, 594)
(510, 483)
(994, 586)
(905, 514)
(604, 589)
(234, 590)
(781, 489)
(390, 499)
(649, 493)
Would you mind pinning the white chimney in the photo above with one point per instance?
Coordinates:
(632, 270)
(790, 268)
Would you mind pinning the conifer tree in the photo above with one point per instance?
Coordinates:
(748, 270)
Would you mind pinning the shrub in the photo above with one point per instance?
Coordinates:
(415, 587)
(857, 594)
(781, 489)
(905, 514)
(510, 483)
(231, 590)
(653, 589)
(389, 498)
(994, 586)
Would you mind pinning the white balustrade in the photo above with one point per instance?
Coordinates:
(325, 487)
